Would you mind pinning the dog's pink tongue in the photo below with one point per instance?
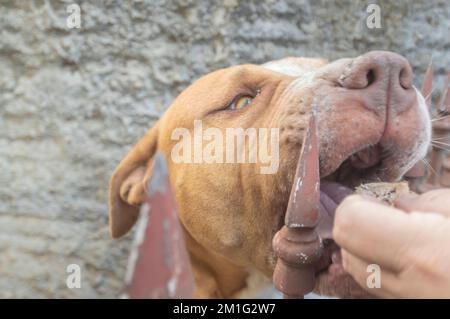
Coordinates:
(331, 195)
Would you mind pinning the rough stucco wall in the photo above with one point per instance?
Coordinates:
(72, 102)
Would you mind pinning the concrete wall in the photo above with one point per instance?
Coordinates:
(73, 101)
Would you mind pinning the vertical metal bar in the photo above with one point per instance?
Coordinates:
(297, 244)
(441, 131)
(427, 86)
(438, 175)
(159, 265)
(444, 101)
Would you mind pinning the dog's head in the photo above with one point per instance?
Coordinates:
(373, 126)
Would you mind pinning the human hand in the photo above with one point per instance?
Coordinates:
(410, 243)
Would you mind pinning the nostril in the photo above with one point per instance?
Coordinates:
(370, 76)
(405, 78)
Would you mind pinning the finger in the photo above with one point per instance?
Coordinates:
(374, 232)
(437, 201)
(371, 277)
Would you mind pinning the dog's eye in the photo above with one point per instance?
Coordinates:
(240, 102)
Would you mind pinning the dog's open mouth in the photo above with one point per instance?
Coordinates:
(355, 170)
(358, 168)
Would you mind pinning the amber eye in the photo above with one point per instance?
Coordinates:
(241, 102)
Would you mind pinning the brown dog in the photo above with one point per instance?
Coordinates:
(373, 125)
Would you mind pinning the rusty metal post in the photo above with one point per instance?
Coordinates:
(444, 102)
(427, 86)
(441, 134)
(438, 158)
(445, 178)
(297, 245)
(417, 173)
(158, 265)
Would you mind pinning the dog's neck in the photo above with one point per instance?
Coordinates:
(217, 277)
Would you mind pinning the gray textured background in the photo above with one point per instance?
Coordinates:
(73, 101)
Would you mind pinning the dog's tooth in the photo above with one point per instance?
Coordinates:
(364, 156)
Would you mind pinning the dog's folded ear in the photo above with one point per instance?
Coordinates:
(128, 184)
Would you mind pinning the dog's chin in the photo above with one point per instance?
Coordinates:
(363, 166)
(333, 280)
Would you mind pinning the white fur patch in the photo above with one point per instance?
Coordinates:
(257, 286)
(285, 67)
(294, 66)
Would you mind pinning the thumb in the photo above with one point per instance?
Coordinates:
(436, 201)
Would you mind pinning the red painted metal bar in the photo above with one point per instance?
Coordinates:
(437, 173)
(444, 102)
(159, 265)
(418, 171)
(441, 135)
(297, 244)
(427, 86)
